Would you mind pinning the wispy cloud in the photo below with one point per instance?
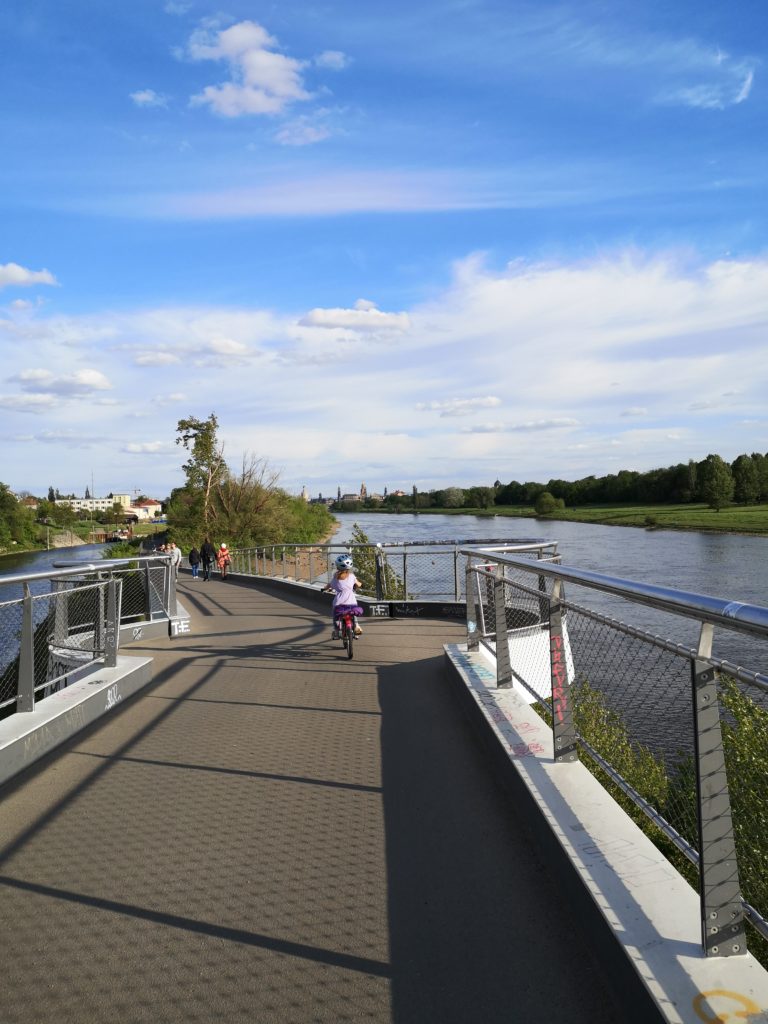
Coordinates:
(149, 98)
(531, 426)
(460, 406)
(77, 384)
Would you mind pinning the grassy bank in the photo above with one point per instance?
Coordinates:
(751, 519)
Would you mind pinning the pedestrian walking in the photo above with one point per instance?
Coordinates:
(194, 562)
(207, 557)
(224, 560)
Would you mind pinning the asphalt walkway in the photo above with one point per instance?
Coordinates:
(272, 834)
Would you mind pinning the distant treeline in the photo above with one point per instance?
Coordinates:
(712, 481)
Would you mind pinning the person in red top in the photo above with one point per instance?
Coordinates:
(223, 560)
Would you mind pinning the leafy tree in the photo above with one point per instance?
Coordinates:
(205, 468)
(761, 465)
(453, 497)
(51, 494)
(547, 503)
(715, 482)
(746, 483)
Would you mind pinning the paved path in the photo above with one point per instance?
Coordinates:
(271, 833)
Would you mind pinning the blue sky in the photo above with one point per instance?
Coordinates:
(436, 243)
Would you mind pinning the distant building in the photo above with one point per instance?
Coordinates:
(149, 509)
(96, 504)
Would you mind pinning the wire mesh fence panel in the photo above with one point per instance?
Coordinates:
(744, 723)
(134, 595)
(155, 590)
(10, 640)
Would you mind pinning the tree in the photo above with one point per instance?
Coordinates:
(761, 465)
(205, 468)
(453, 497)
(715, 482)
(547, 503)
(746, 483)
(51, 494)
(247, 507)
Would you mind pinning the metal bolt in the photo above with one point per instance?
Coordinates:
(713, 931)
(736, 948)
(734, 928)
(713, 915)
(715, 950)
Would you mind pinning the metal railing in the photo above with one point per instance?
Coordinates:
(56, 625)
(680, 730)
(404, 572)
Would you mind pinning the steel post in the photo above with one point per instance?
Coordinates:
(563, 728)
(379, 563)
(26, 693)
(473, 637)
(722, 915)
(112, 630)
(503, 666)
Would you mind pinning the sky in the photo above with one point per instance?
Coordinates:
(436, 243)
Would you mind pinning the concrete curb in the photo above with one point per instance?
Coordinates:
(642, 913)
(27, 736)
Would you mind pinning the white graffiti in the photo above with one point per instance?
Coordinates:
(113, 698)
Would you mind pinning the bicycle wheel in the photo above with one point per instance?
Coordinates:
(349, 630)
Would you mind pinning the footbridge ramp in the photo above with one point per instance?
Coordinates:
(269, 832)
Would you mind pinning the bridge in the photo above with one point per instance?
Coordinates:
(269, 832)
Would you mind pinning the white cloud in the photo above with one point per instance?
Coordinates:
(635, 410)
(26, 403)
(263, 81)
(531, 426)
(148, 448)
(335, 60)
(21, 305)
(460, 406)
(149, 98)
(302, 131)
(155, 358)
(79, 383)
(365, 317)
(12, 275)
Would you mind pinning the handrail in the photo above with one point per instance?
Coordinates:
(702, 607)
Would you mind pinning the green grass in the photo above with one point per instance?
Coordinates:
(734, 519)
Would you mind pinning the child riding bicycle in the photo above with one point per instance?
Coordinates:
(343, 586)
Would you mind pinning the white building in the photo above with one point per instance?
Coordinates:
(96, 504)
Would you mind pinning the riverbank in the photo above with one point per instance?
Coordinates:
(749, 520)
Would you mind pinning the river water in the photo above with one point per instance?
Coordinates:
(721, 565)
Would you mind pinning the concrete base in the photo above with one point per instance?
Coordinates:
(642, 913)
(27, 736)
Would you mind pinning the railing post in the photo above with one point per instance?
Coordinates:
(378, 558)
(473, 636)
(405, 574)
(563, 729)
(285, 569)
(112, 630)
(456, 588)
(503, 665)
(26, 694)
(722, 915)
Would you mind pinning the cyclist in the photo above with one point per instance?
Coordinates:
(343, 587)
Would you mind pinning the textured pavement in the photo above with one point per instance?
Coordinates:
(272, 833)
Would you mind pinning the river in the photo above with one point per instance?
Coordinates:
(722, 565)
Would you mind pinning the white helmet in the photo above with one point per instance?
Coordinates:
(344, 562)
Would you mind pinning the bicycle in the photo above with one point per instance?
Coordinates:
(347, 632)
(345, 625)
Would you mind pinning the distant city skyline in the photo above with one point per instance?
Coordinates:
(435, 244)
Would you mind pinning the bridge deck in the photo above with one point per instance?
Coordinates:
(270, 833)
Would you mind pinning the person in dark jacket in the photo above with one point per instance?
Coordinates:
(194, 562)
(207, 557)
